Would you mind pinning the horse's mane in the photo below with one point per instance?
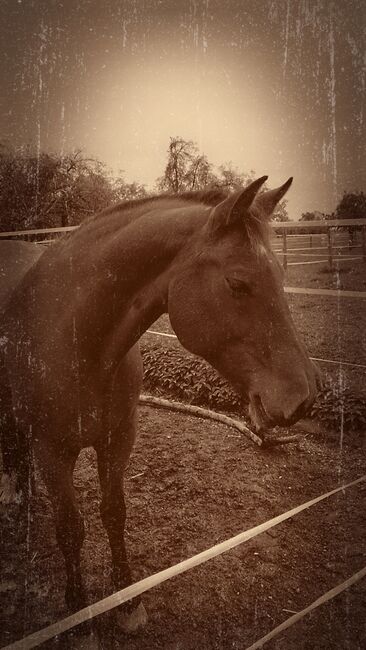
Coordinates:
(257, 230)
(206, 197)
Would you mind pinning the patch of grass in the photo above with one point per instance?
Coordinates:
(339, 271)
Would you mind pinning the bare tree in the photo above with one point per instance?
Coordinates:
(184, 168)
(51, 191)
(46, 190)
(231, 178)
(187, 169)
(124, 191)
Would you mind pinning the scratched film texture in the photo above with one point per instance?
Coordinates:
(271, 87)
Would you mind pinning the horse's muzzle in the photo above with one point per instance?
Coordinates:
(284, 403)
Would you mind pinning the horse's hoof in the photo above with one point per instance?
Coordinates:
(132, 622)
(8, 490)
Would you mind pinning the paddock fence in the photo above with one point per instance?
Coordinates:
(346, 231)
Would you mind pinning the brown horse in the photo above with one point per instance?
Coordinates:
(70, 330)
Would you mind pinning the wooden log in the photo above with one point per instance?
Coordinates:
(198, 411)
(202, 413)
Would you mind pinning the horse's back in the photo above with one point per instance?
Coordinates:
(16, 259)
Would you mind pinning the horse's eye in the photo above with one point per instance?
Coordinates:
(239, 287)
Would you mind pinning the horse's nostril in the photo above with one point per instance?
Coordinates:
(283, 402)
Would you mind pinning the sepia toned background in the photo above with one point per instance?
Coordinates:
(272, 86)
(93, 95)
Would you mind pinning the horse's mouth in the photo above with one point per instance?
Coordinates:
(258, 414)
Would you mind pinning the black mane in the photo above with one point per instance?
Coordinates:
(257, 229)
(206, 197)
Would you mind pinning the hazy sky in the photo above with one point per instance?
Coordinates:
(276, 86)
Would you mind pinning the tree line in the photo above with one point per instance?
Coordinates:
(53, 190)
(351, 206)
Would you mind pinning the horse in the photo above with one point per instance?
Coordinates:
(71, 325)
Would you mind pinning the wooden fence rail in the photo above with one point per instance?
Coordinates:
(282, 228)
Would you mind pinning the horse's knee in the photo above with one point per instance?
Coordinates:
(113, 511)
(70, 530)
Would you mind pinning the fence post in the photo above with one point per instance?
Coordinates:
(284, 240)
(363, 229)
(311, 241)
(330, 250)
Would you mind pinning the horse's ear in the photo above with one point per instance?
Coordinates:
(231, 210)
(266, 202)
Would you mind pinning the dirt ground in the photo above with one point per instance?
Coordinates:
(191, 484)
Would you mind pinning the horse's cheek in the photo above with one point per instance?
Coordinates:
(193, 318)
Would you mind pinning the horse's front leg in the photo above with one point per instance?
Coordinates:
(113, 453)
(57, 465)
(57, 472)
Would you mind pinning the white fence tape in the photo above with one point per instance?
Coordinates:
(332, 593)
(336, 259)
(106, 604)
(333, 361)
(336, 293)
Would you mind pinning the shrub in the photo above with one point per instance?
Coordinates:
(175, 373)
(337, 407)
(182, 376)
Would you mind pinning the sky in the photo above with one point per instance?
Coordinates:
(274, 86)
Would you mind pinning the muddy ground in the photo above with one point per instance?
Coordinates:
(191, 484)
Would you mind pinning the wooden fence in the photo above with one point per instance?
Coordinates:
(283, 229)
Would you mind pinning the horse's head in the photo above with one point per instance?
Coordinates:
(227, 305)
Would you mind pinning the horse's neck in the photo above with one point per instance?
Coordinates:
(124, 276)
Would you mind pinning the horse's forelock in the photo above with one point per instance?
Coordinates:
(258, 232)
